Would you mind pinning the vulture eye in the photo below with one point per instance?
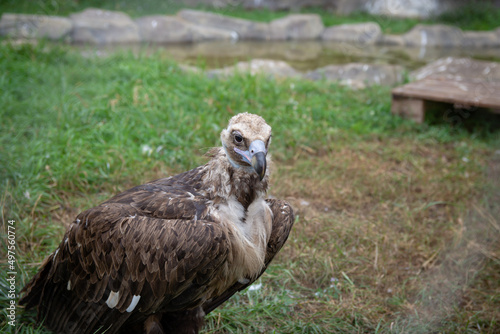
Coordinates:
(238, 138)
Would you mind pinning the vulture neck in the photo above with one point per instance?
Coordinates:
(228, 181)
(238, 198)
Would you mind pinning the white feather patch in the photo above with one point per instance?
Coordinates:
(113, 299)
(133, 303)
(255, 287)
(69, 285)
(232, 211)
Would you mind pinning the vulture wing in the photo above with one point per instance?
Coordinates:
(148, 249)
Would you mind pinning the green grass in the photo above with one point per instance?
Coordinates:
(134, 8)
(481, 15)
(396, 228)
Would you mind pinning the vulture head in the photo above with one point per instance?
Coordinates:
(246, 141)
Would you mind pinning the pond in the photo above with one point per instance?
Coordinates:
(302, 55)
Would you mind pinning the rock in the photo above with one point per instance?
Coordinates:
(459, 69)
(362, 33)
(439, 35)
(297, 26)
(271, 68)
(359, 75)
(244, 29)
(409, 8)
(481, 39)
(190, 69)
(96, 26)
(35, 26)
(172, 29)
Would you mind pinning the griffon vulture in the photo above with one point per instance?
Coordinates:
(158, 257)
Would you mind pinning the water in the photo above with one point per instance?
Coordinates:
(302, 55)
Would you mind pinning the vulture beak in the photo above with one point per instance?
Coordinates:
(255, 156)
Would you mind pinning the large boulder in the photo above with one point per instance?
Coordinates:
(481, 39)
(297, 26)
(410, 8)
(244, 29)
(35, 26)
(362, 33)
(359, 75)
(438, 35)
(172, 29)
(270, 68)
(97, 26)
(459, 69)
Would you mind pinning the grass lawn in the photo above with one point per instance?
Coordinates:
(480, 15)
(397, 224)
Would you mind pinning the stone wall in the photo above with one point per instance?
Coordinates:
(95, 26)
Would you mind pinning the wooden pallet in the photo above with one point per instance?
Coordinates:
(413, 99)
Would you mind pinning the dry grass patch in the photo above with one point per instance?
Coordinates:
(390, 235)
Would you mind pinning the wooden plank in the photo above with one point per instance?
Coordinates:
(470, 93)
(408, 107)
